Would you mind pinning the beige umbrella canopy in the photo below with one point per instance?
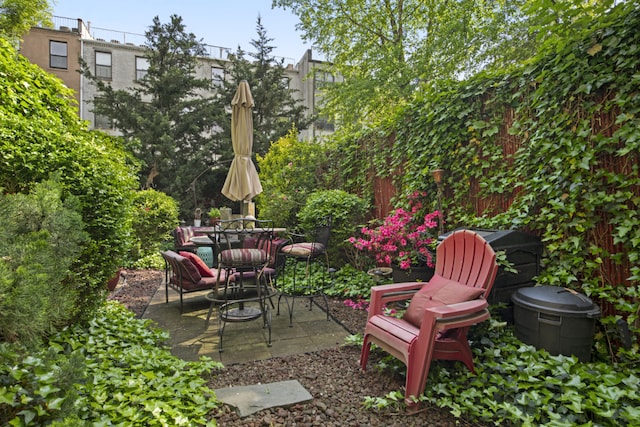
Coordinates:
(242, 182)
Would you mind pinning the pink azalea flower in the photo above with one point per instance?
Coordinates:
(403, 237)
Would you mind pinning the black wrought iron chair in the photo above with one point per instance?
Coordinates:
(244, 298)
(181, 239)
(183, 275)
(309, 248)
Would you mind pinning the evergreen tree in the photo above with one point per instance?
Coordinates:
(164, 118)
(275, 111)
(176, 130)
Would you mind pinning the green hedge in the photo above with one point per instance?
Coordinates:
(41, 135)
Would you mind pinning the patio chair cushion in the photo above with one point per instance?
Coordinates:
(202, 267)
(190, 270)
(436, 295)
(303, 249)
(181, 239)
(243, 257)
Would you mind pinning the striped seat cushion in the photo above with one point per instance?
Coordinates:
(304, 249)
(243, 257)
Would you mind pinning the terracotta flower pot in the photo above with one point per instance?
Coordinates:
(113, 282)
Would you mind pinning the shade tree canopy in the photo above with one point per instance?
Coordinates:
(18, 16)
(386, 50)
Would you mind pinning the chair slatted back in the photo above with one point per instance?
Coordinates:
(467, 258)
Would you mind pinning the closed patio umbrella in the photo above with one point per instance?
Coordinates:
(242, 181)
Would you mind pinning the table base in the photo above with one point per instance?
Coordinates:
(240, 314)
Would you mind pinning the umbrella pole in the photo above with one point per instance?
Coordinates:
(248, 208)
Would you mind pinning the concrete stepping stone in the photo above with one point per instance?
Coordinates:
(253, 398)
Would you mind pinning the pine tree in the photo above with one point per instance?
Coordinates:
(275, 111)
(165, 119)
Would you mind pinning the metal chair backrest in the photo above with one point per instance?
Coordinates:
(243, 233)
(323, 231)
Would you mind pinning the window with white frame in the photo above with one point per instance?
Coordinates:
(142, 67)
(58, 54)
(217, 76)
(103, 65)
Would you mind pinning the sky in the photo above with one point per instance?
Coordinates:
(225, 23)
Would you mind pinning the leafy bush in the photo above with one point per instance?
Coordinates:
(41, 134)
(288, 172)
(115, 371)
(40, 237)
(403, 238)
(346, 211)
(155, 214)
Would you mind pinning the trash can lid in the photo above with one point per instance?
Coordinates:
(556, 299)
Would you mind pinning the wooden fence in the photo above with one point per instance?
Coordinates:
(612, 273)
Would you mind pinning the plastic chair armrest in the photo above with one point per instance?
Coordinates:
(459, 309)
(383, 294)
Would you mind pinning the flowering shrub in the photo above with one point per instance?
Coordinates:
(361, 304)
(403, 237)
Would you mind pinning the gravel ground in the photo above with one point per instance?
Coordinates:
(331, 376)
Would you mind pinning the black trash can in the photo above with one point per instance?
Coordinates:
(560, 320)
(523, 250)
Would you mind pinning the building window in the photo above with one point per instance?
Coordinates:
(101, 121)
(323, 78)
(142, 67)
(325, 124)
(217, 76)
(103, 65)
(58, 54)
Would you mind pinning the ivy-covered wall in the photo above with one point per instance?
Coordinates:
(551, 147)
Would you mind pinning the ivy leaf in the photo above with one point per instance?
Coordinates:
(594, 49)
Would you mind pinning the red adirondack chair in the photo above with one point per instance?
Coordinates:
(447, 306)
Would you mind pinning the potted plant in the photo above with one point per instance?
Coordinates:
(214, 215)
(197, 217)
(405, 238)
(113, 282)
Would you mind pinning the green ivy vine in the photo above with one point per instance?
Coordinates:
(558, 138)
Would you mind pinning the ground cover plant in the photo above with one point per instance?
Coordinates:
(113, 371)
(516, 384)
